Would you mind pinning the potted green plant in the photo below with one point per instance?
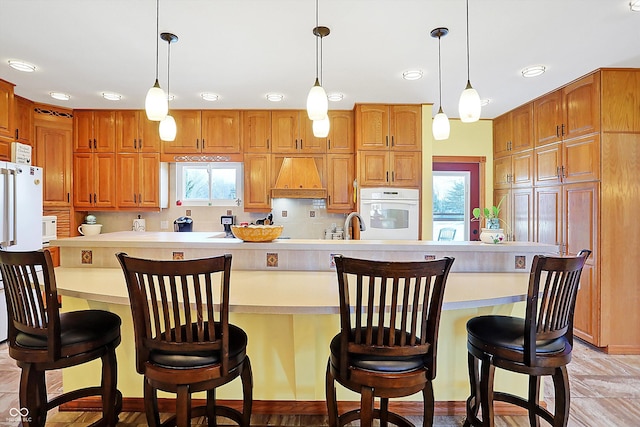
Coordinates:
(493, 233)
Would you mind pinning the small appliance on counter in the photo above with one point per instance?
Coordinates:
(227, 221)
(139, 224)
(90, 226)
(184, 223)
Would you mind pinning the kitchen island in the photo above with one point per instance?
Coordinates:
(284, 294)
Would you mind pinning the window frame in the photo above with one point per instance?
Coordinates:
(181, 168)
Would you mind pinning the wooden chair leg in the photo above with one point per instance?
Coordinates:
(330, 391)
(562, 396)
(30, 395)
(366, 407)
(247, 392)
(428, 404)
(473, 402)
(384, 412)
(487, 372)
(534, 395)
(211, 407)
(151, 405)
(183, 406)
(109, 388)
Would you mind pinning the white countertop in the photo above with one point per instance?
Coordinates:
(295, 292)
(215, 240)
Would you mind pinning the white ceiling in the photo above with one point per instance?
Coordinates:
(243, 49)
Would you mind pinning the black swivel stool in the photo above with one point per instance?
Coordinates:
(540, 344)
(42, 339)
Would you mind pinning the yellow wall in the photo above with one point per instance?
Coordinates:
(466, 139)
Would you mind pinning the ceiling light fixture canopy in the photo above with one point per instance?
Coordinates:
(469, 106)
(207, 96)
(335, 97)
(22, 66)
(167, 127)
(275, 97)
(111, 96)
(60, 96)
(412, 74)
(634, 5)
(317, 102)
(441, 127)
(156, 104)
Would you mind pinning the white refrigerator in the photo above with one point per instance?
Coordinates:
(20, 217)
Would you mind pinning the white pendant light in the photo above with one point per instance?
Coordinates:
(321, 127)
(167, 127)
(156, 104)
(317, 102)
(441, 126)
(469, 106)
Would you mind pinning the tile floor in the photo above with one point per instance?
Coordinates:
(605, 391)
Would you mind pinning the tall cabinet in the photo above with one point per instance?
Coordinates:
(586, 194)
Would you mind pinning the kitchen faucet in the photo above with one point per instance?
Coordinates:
(347, 235)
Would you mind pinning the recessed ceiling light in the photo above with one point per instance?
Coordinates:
(207, 96)
(111, 96)
(634, 5)
(484, 101)
(275, 97)
(335, 97)
(412, 74)
(533, 71)
(60, 96)
(22, 66)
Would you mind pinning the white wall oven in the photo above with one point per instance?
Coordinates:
(390, 213)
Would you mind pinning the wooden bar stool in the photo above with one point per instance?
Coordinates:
(42, 339)
(390, 351)
(540, 344)
(180, 345)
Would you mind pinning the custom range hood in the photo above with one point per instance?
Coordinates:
(299, 179)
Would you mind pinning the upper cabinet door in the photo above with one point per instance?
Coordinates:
(6, 109)
(256, 131)
(501, 135)
(373, 127)
(522, 128)
(104, 131)
(127, 131)
(582, 107)
(188, 140)
(405, 127)
(24, 120)
(341, 132)
(220, 131)
(309, 143)
(284, 131)
(548, 118)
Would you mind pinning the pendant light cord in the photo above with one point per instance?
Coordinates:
(317, 24)
(168, 71)
(440, 71)
(157, 35)
(468, 76)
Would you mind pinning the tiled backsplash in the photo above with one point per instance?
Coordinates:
(302, 218)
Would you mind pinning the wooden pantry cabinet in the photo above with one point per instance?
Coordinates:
(586, 194)
(513, 131)
(388, 127)
(205, 132)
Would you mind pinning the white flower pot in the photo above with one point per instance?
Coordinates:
(492, 236)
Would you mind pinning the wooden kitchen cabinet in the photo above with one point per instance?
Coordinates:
(24, 120)
(388, 127)
(141, 181)
(574, 160)
(135, 133)
(341, 138)
(94, 184)
(208, 131)
(292, 133)
(340, 176)
(7, 113)
(388, 168)
(515, 170)
(53, 153)
(94, 131)
(257, 182)
(256, 131)
(569, 112)
(513, 131)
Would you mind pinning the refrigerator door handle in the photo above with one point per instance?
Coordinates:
(14, 203)
(4, 241)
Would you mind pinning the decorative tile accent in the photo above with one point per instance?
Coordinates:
(178, 255)
(521, 262)
(284, 214)
(429, 257)
(87, 257)
(229, 212)
(272, 259)
(188, 212)
(312, 214)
